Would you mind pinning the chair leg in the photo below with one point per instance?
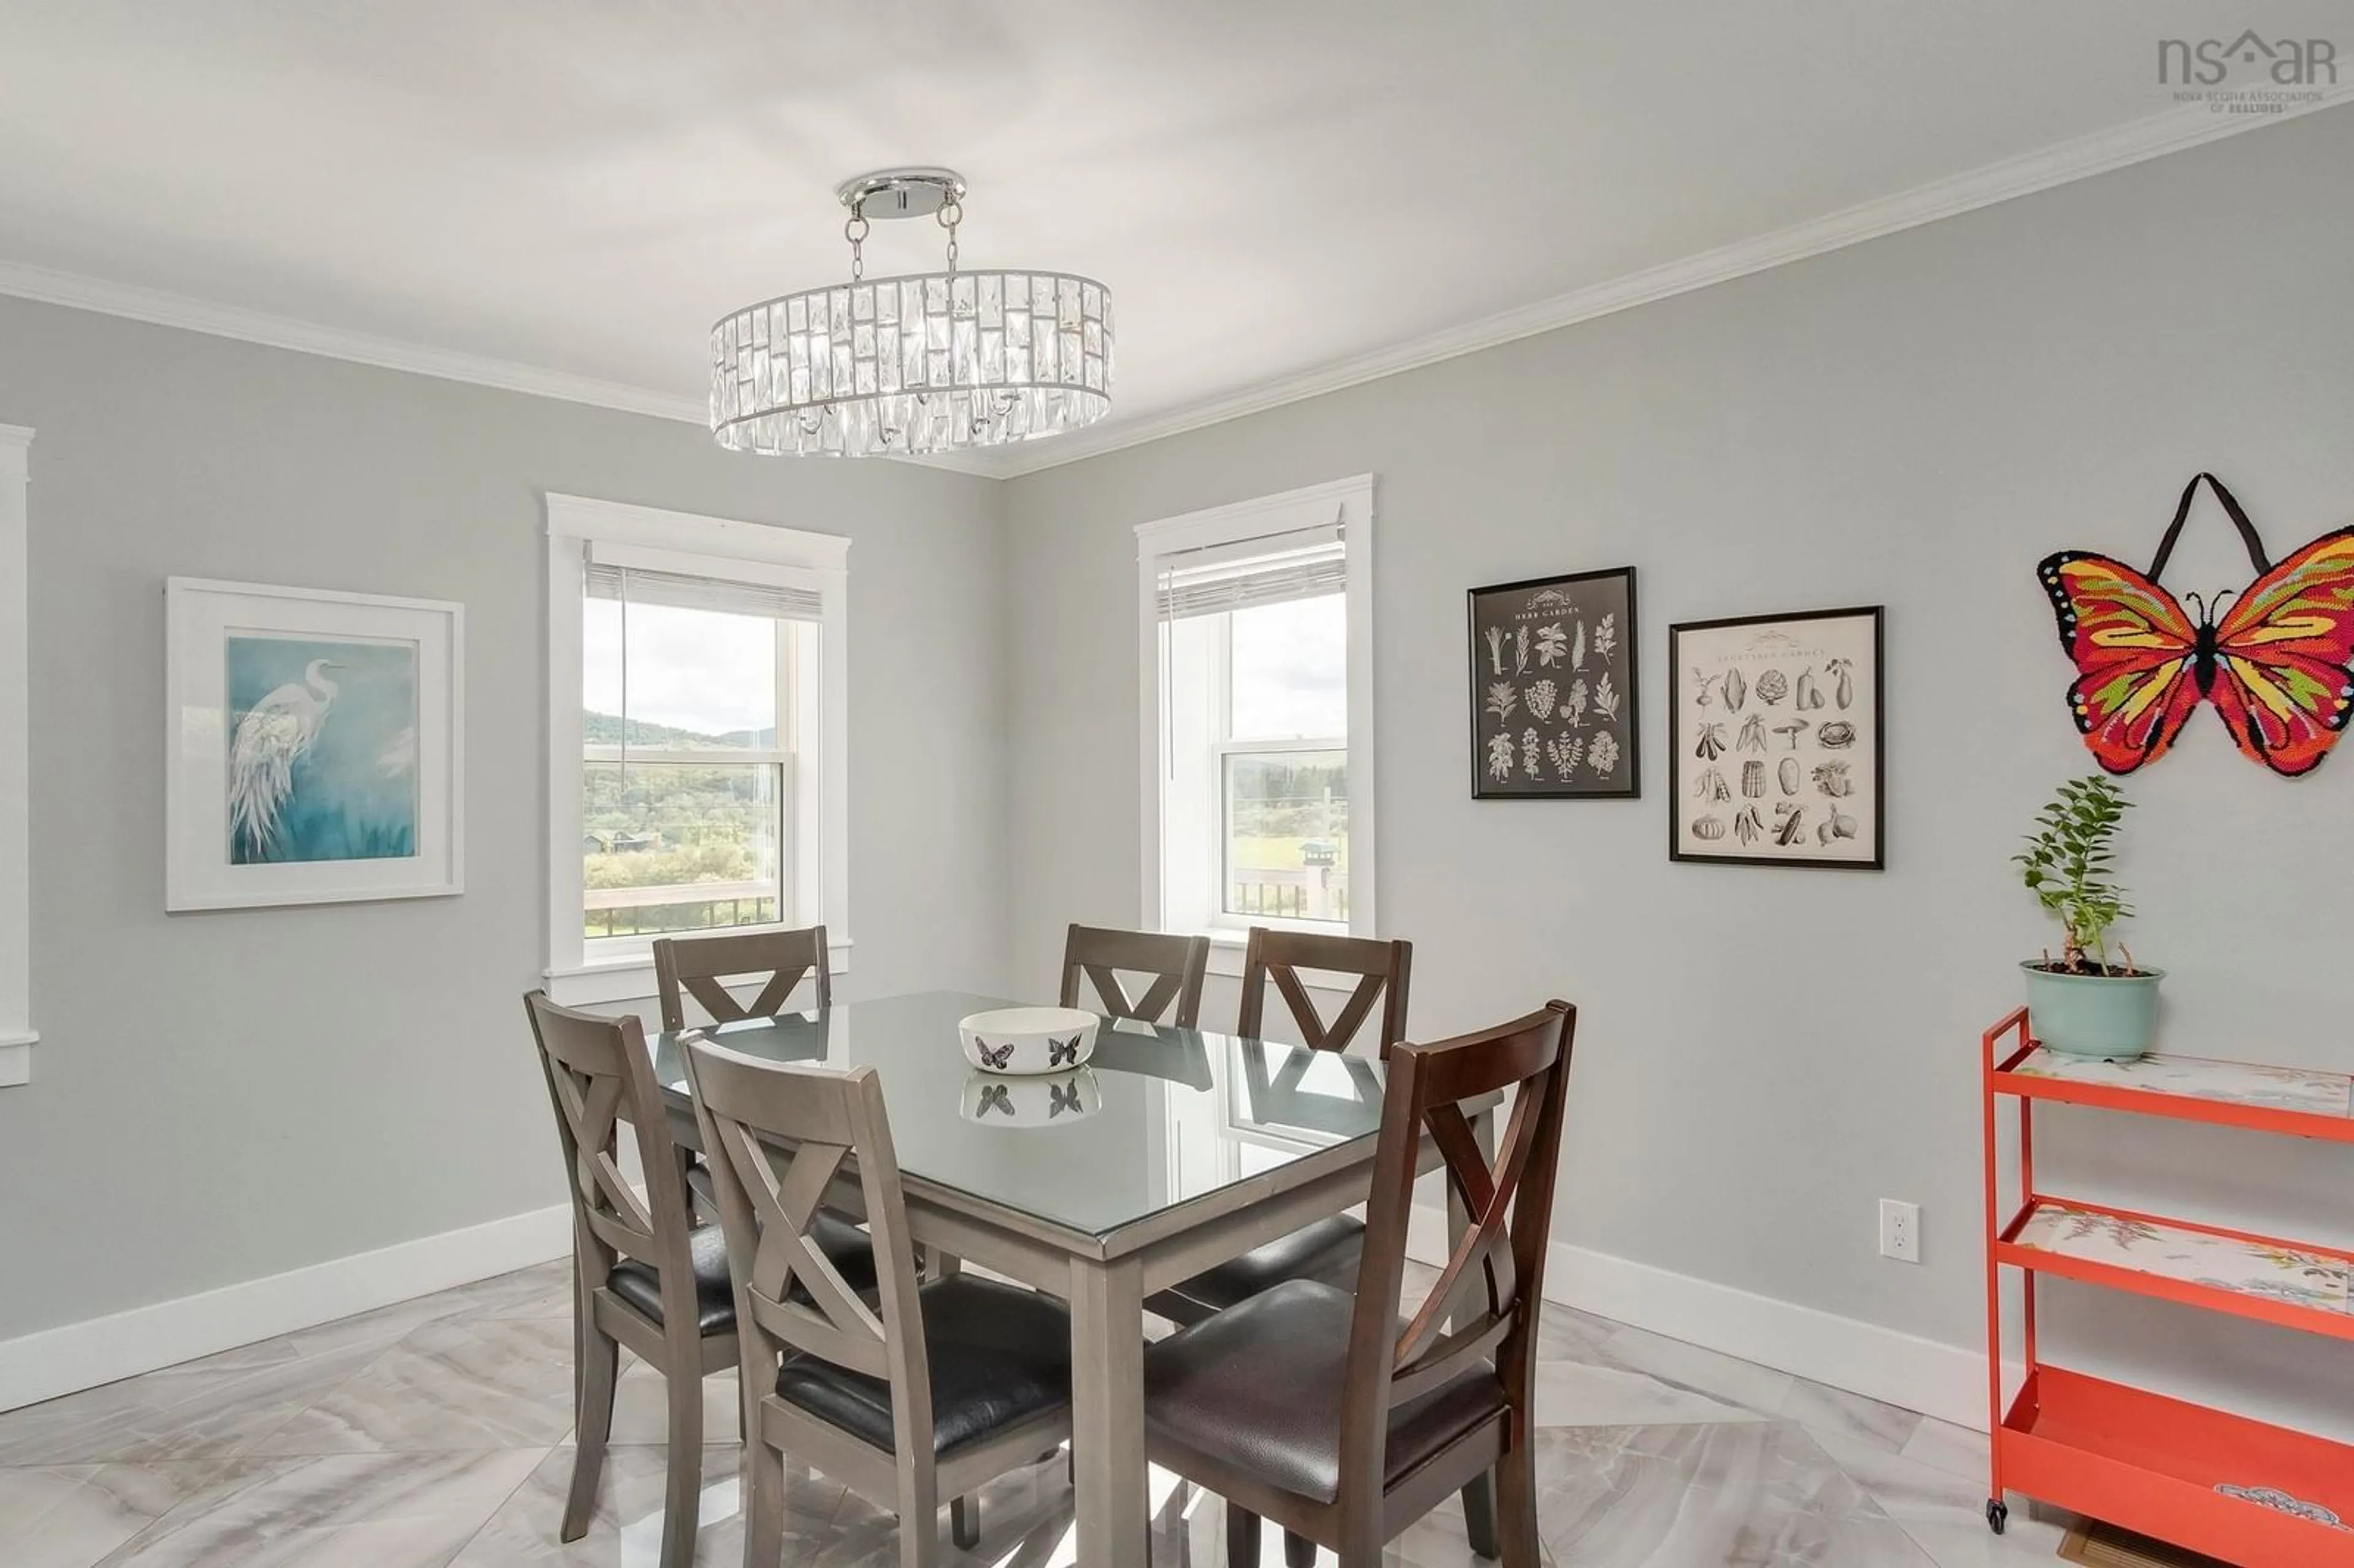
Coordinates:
(1516, 1506)
(1479, 1516)
(1299, 1552)
(684, 1498)
(764, 1505)
(596, 1364)
(964, 1522)
(919, 1515)
(1242, 1537)
(1360, 1544)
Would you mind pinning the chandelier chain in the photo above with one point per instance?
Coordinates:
(856, 231)
(950, 213)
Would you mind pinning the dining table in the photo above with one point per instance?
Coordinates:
(1170, 1150)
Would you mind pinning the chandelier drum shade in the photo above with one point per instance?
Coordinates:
(927, 362)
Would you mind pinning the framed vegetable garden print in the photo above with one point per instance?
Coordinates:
(1553, 688)
(1775, 740)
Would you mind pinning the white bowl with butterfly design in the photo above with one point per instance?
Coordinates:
(1049, 1100)
(1025, 1042)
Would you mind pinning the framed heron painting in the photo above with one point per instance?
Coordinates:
(314, 745)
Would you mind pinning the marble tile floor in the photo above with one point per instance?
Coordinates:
(435, 1434)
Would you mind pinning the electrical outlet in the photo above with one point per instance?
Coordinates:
(1899, 1230)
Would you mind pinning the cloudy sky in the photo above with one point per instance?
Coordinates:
(1290, 669)
(691, 669)
(712, 672)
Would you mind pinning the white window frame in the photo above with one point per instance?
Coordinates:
(1350, 503)
(1223, 747)
(16, 1034)
(818, 883)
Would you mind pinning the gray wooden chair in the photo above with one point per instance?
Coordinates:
(924, 1390)
(1329, 1249)
(700, 966)
(1321, 1411)
(643, 1277)
(696, 966)
(1176, 966)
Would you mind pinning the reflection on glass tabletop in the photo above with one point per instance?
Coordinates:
(1158, 1116)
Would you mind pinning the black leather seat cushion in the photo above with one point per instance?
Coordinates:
(639, 1283)
(1259, 1387)
(1328, 1252)
(998, 1354)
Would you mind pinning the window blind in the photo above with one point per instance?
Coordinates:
(1309, 564)
(637, 585)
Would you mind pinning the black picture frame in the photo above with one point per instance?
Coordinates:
(1827, 777)
(1542, 674)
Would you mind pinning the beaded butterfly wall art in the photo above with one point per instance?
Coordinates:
(2278, 664)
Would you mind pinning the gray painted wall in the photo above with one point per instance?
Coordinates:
(222, 1096)
(1916, 422)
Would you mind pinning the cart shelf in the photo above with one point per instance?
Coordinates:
(2258, 1494)
(2189, 1088)
(2289, 1283)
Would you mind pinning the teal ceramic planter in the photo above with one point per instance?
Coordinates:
(2092, 1015)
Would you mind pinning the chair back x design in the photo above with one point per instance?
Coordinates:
(697, 967)
(600, 1074)
(1484, 1306)
(634, 1261)
(1499, 1262)
(841, 1380)
(1176, 965)
(1373, 1421)
(791, 1298)
(1383, 969)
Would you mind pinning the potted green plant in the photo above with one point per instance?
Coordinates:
(2084, 1003)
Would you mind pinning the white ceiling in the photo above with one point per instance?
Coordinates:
(1282, 194)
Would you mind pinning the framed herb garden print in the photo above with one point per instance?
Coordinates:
(1553, 688)
(1775, 740)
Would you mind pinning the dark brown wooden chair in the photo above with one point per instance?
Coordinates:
(1329, 1249)
(643, 1277)
(906, 1392)
(1325, 1414)
(694, 965)
(1176, 964)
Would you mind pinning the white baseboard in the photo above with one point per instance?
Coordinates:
(1900, 1369)
(83, 1355)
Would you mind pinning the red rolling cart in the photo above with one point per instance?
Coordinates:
(2259, 1495)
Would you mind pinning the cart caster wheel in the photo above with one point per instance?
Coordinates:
(1997, 1515)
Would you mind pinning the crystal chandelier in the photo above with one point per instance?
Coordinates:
(924, 363)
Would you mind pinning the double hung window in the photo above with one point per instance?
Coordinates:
(695, 736)
(1257, 743)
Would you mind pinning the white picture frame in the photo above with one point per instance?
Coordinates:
(296, 775)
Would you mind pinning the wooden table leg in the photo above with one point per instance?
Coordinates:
(1108, 1409)
(1479, 1497)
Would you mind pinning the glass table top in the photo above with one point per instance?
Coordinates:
(1158, 1116)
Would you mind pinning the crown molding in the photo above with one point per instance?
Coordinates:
(163, 308)
(2173, 131)
(2176, 130)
